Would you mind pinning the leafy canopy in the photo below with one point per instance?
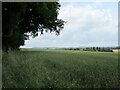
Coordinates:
(23, 19)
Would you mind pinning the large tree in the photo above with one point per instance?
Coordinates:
(23, 19)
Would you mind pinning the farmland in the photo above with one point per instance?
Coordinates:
(38, 68)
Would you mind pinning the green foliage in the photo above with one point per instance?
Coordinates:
(24, 19)
(36, 68)
(99, 49)
(88, 49)
(118, 47)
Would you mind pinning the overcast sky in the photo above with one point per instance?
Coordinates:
(88, 24)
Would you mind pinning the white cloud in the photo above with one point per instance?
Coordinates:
(89, 1)
(87, 19)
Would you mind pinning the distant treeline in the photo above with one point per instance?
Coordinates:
(99, 49)
(117, 47)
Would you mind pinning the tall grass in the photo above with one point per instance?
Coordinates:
(59, 69)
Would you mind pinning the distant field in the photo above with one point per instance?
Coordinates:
(116, 50)
(38, 68)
